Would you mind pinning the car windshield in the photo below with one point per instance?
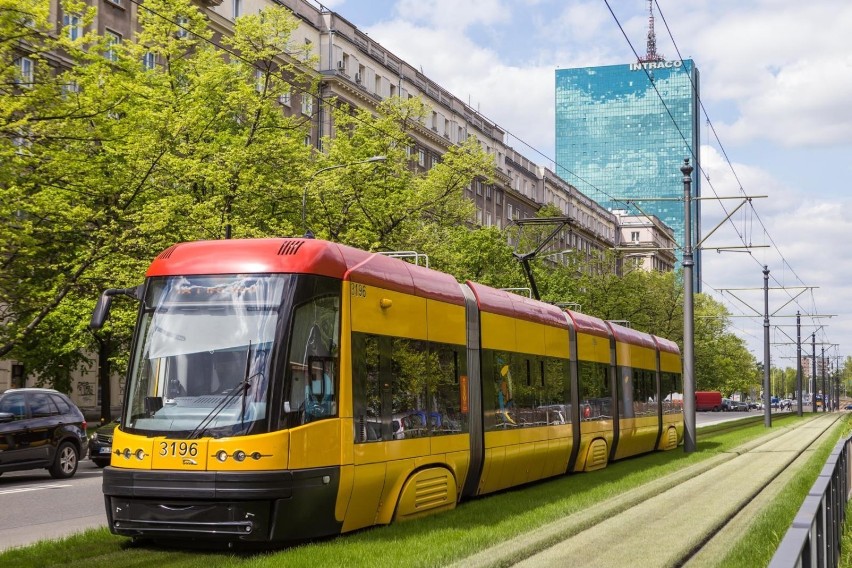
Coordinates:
(202, 355)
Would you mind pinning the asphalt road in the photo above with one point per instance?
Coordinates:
(34, 506)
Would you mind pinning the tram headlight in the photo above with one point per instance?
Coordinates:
(239, 455)
(222, 455)
(126, 453)
(140, 454)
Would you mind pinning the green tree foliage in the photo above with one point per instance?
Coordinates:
(387, 205)
(113, 152)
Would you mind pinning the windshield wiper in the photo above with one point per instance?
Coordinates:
(241, 388)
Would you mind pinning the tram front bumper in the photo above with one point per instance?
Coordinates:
(268, 506)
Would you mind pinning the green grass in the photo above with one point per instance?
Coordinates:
(758, 544)
(432, 541)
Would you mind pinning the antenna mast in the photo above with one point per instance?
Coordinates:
(651, 54)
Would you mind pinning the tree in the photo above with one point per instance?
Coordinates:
(134, 146)
(388, 205)
(111, 160)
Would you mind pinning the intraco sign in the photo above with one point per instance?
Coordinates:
(656, 65)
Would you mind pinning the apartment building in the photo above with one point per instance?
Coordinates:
(357, 70)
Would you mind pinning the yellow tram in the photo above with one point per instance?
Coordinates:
(284, 389)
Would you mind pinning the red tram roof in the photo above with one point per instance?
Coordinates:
(506, 303)
(588, 324)
(627, 335)
(667, 345)
(305, 256)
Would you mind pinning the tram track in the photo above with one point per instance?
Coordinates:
(680, 519)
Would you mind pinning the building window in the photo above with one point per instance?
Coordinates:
(149, 60)
(25, 72)
(112, 40)
(73, 26)
(421, 157)
(284, 99)
(69, 89)
(307, 104)
(259, 80)
(509, 211)
(182, 22)
(238, 8)
(634, 236)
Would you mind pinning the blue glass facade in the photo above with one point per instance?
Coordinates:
(618, 139)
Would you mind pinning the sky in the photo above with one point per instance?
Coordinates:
(776, 125)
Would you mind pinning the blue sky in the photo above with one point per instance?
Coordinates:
(776, 84)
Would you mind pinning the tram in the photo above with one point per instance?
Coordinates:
(284, 389)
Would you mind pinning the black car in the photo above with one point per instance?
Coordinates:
(40, 428)
(100, 444)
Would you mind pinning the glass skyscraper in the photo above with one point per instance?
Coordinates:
(622, 133)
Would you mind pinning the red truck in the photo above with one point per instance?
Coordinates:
(708, 400)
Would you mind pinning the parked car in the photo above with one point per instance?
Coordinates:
(100, 444)
(726, 404)
(41, 428)
(739, 405)
(708, 400)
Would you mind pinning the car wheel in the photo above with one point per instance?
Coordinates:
(65, 464)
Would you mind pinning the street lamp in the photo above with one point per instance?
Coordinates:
(308, 233)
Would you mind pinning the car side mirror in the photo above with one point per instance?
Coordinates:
(6, 417)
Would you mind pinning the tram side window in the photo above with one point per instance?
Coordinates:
(672, 393)
(524, 390)
(595, 391)
(446, 415)
(644, 393)
(499, 373)
(312, 371)
(405, 389)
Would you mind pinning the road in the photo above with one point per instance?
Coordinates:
(34, 506)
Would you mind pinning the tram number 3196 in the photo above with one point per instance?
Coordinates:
(180, 449)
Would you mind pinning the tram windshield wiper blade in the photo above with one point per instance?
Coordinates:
(242, 387)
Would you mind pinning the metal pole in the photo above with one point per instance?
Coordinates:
(822, 374)
(688, 316)
(799, 361)
(767, 386)
(813, 373)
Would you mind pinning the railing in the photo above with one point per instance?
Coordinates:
(814, 537)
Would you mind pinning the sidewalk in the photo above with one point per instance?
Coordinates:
(659, 523)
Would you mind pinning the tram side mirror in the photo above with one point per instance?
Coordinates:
(101, 312)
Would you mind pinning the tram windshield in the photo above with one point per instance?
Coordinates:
(201, 365)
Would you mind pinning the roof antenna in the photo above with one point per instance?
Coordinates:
(651, 54)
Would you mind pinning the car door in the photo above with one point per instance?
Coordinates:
(44, 421)
(14, 435)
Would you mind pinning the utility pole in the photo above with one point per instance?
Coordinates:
(767, 385)
(688, 316)
(799, 361)
(813, 372)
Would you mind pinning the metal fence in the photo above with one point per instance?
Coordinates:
(813, 540)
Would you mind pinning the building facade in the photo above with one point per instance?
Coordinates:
(353, 68)
(622, 133)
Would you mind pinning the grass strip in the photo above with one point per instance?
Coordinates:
(438, 540)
